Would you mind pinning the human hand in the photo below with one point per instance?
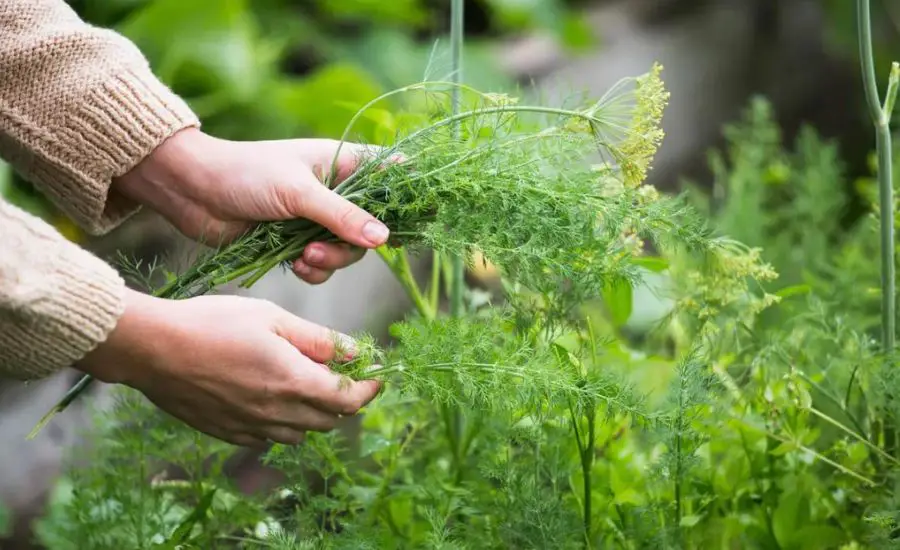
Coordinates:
(238, 369)
(213, 190)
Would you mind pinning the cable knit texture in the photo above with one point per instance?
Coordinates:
(79, 106)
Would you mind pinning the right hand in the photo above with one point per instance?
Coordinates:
(239, 369)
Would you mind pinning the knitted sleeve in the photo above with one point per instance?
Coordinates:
(57, 301)
(79, 107)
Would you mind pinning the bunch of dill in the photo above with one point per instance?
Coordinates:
(507, 180)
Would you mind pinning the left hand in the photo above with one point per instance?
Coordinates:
(215, 189)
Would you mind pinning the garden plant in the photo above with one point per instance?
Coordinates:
(654, 371)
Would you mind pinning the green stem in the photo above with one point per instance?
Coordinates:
(867, 58)
(398, 263)
(886, 198)
(587, 465)
(453, 416)
(891, 97)
(881, 119)
(880, 113)
(434, 292)
(457, 290)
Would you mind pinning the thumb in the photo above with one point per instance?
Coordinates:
(314, 201)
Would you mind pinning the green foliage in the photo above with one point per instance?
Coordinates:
(560, 447)
(5, 521)
(753, 414)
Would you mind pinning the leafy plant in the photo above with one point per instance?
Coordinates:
(756, 412)
(502, 179)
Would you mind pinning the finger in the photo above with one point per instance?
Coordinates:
(320, 156)
(314, 383)
(330, 392)
(285, 435)
(311, 275)
(316, 342)
(299, 419)
(236, 438)
(314, 201)
(249, 441)
(331, 256)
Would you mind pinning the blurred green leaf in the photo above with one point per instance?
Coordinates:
(394, 12)
(795, 290)
(651, 263)
(5, 521)
(791, 514)
(576, 32)
(321, 102)
(182, 533)
(201, 47)
(690, 521)
(619, 300)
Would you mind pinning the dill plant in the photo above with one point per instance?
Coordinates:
(752, 414)
(504, 179)
(554, 197)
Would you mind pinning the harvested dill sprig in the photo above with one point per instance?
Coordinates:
(512, 183)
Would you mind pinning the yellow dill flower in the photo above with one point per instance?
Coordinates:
(645, 134)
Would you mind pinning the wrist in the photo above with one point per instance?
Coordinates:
(165, 180)
(127, 351)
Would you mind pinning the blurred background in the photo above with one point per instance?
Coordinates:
(267, 69)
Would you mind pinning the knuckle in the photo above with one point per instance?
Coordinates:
(346, 215)
(292, 200)
(323, 345)
(265, 412)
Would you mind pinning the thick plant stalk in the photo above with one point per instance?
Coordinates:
(881, 117)
(880, 114)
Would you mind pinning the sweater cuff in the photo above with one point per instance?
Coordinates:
(58, 302)
(119, 123)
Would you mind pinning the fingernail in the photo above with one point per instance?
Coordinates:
(302, 268)
(347, 346)
(376, 232)
(314, 255)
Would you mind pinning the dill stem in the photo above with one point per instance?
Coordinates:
(398, 263)
(880, 115)
(434, 291)
(587, 465)
(453, 415)
(587, 452)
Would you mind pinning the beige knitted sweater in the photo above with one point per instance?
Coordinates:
(79, 106)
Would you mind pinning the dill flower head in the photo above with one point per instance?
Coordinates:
(645, 134)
